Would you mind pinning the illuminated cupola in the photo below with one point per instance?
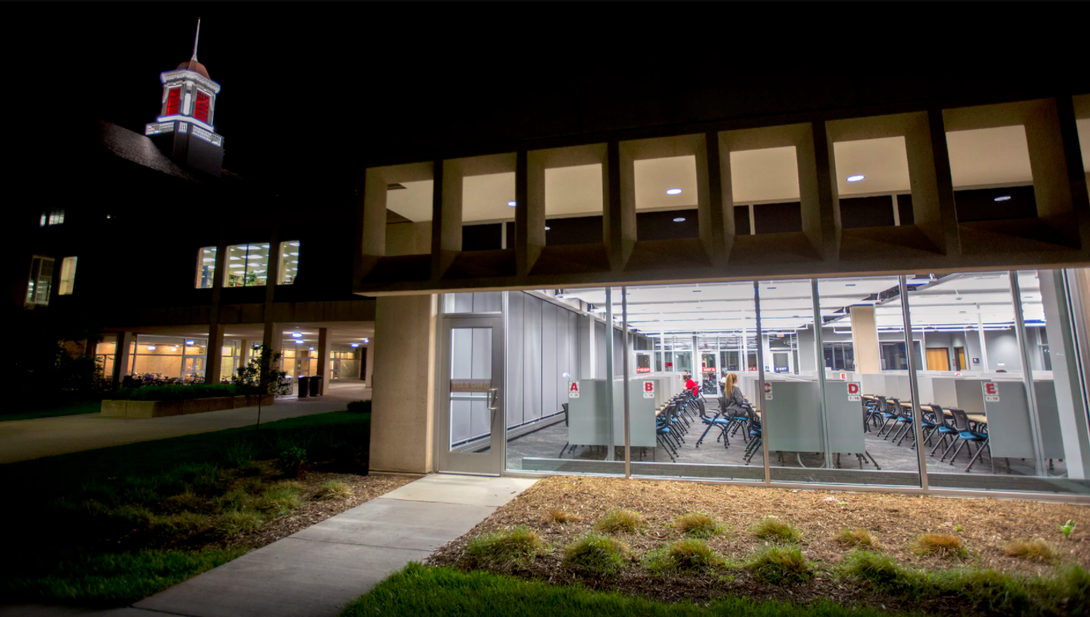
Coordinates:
(183, 129)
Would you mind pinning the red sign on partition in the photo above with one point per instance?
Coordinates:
(768, 391)
(708, 369)
(573, 390)
(991, 391)
(854, 391)
(643, 369)
(648, 389)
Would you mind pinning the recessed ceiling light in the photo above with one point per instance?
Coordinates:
(298, 342)
(1003, 198)
(855, 178)
(355, 344)
(680, 219)
(696, 291)
(547, 228)
(297, 334)
(151, 347)
(366, 340)
(673, 191)
(189, 342)
(512, 204)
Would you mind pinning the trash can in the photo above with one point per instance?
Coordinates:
(304, 386)
(316, 385)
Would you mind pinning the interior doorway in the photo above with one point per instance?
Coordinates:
(938, 359)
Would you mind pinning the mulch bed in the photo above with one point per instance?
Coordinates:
(986, 525)
(363, 489)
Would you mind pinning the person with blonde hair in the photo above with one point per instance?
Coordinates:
(732, 394)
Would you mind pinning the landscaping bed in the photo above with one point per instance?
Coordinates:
(111, 526)
(159, 401)
(966, 568)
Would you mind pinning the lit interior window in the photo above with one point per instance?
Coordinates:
(203, 105)
(68, 276)
(174, 101)
(206, 267)
(247, 265)
(289, 261)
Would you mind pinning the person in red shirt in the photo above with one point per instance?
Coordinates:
(691, 385)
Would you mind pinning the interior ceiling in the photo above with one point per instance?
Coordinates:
(951, 302)
(981, 157)
(340, 332)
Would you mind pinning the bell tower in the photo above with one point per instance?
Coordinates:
(183, 130)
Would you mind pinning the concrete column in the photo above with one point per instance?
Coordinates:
(933, 210)
(865, 340)
(323, 359)
(369, 365)
(370, 221)
(530, 211)
(1061, 347)
(402, 426)
(619, 211)
(121, 356)
(273, 336)
(446, 228)
(1049, 153)
(244, 354)
(822, 225)
(213, 360)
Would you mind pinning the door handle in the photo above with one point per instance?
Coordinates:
(493, 398)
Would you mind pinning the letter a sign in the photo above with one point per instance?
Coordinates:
(573, 390)
(853, 391)
(991, 391)
(648, 389)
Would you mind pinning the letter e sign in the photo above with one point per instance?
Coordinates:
(573, 390)
(991, 391)
(648, 389)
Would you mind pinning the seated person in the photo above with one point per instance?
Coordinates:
(735, 401)
(691, 385)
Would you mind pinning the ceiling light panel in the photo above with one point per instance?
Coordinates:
(572, 191)
(769, 174)
(654, 176)
(883, 163)
(989, 156)
(485, 198)
(414, 202)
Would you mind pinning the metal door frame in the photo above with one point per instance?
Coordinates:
(490, 463)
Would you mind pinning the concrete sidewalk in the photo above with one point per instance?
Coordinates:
(317, 571)
(22, 440)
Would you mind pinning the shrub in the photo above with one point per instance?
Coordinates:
(856, 538)
(780, 564)
(504, 550)
(360, 407)
(556, 515)
(596, 554)
(291, 460)
(686, 555)
(1030, 550)
(333, 490)
(770, 528)
(879, 570)
(173, 393)
(236, 522)
(940, 544)
(699, 525)
(619, 520)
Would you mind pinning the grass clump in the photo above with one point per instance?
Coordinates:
(333, 490)
(596, 554)
(688, 555)
(556, 515)
(856, 538)
(618, 519)
(780, 564)
(1030, 550)
(699, 525)
(238, 522)
(943, 545)
(423, 591)
(775, 530)
(505, 550)
(281, 498)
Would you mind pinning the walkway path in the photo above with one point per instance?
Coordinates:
(317, 571)
(22, 440)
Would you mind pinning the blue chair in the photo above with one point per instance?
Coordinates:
(717, 421)
(966, 435)
(943, 430)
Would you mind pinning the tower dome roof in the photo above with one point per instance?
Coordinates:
(193, 65)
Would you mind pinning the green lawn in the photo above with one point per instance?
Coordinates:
(113, 525)
(73, 409)
(419, 591)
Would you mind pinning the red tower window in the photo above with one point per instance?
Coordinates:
(203, 101)
(174, 101)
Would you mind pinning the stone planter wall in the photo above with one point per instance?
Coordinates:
(158, 409)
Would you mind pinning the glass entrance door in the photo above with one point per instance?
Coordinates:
(471, 421)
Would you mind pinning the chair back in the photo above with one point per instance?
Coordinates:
(564, 406)
(882, 403)
(961, 419)
(940, 415)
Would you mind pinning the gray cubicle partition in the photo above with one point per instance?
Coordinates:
(792, 418)
(1008, 421)
(588, 421)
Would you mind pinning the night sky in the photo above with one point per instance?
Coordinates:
(310, 90)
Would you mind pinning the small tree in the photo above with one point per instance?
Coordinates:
(261, 376)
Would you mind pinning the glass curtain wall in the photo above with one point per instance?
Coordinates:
(824, 387)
